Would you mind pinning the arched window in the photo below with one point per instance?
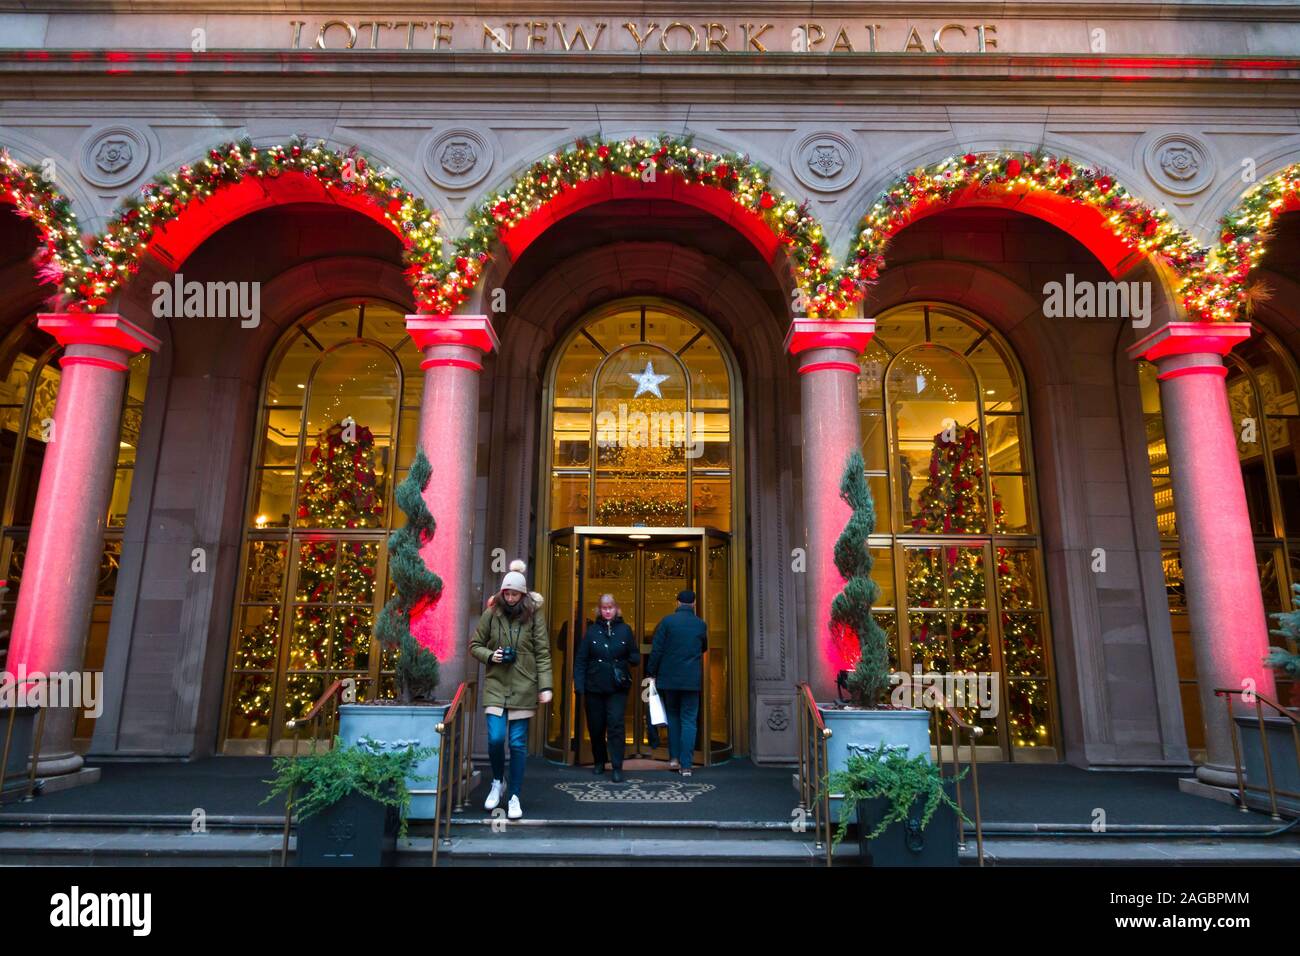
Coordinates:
(957, 547)
(338, 428)
(1262, 396)
(29, 363)
(645, 386)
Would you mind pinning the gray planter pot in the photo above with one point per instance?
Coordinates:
(855, 731)
(1282, 754)
(20, 746)
(388, 723)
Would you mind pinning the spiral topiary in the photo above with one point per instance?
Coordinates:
(851, 608)
(418, 588)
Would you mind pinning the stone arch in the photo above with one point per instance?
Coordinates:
(770, 462)
(1121, 230)
(177, 212)
(508, 219)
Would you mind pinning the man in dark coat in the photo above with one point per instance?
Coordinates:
(676, 665)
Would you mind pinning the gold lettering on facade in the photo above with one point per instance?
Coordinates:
(751, 38)
(914, 43)
(324, 29)
(495, 37)
(710, 41)
(411, 27)
(986, 42)
(871, 36)
(640, 41)
(438, 38)
(842, 42)
(678, 25)
(534, 35)
(374, 30)
(297, 32)
(808, 29)
(938, 35)
(578, 34)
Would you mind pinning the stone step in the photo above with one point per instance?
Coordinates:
(521, 845)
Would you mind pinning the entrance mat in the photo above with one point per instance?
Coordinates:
(734, 791)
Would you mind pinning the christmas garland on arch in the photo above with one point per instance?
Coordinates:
(1242, 236)
(1146, 229)
(62, 251)
(117, 251)
(748, 184)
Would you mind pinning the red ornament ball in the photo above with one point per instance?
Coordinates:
(766, 201)
(1013, 167)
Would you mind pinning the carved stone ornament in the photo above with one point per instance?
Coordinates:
(778, 718)
(826, 162)
(114, 155)
(1179, 164)
(458, 158)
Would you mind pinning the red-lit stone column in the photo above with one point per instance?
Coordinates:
(453, 348)
(67, 537)
(1224, 603)
(828, 352)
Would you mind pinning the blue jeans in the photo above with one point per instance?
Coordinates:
(683, 709)
(496, 728)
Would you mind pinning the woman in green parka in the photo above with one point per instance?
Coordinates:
(513, 642)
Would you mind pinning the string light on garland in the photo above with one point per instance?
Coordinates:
(62, 252)
(1144, 229)
(1243, 234)
(748, 185)
(115, 254)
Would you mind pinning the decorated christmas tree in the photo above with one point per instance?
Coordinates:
(418, 589)
(851, 616)
(342, 490)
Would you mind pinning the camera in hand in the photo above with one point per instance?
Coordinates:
(508, 655)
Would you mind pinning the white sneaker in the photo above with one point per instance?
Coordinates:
(515, 811)
(494, 795)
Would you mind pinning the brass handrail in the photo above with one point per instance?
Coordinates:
(813, 766)
(455, 762)
(34, 756)
(956, 724)
(313, 716)
(1242, 787)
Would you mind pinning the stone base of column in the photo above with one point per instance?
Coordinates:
(1217, 775)
(66, 780)
(1221, 794)
(51, 765)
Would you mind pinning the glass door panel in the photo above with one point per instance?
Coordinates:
(716, 608)
(608, 568)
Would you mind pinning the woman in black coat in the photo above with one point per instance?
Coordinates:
(602, 674)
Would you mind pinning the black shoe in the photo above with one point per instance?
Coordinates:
(599, 769)
(617, 776)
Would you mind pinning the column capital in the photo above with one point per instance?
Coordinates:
(808, 334)
(472, 331)
(97, 328)
(1190, 338)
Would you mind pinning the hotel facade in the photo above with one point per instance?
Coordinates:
(636, 277)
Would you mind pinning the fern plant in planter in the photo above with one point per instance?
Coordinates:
(351, 801)
(415, 714)
(883, 787)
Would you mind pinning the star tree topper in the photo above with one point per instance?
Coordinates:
(647, 381)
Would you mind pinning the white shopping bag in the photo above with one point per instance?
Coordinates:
(658, 716)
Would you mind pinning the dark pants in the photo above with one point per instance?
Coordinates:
(683, 710)
(605, 724)
(496, 728)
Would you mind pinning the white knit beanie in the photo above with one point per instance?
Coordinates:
(514, 580)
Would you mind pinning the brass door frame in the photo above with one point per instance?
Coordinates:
(738, 672)
(572, 721)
